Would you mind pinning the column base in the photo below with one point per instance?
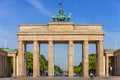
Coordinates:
(71, 75)
(102, 75)
(20, 76)
(86, 76)
(50, 75)
(13, 75)
(35, 76)
(106, 75)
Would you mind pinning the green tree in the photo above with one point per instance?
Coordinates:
(77, 69)
(43, 63)
(92, 64)
(92, 61)
(29, 60)
(57, 69)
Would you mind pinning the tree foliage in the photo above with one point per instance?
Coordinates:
(57, 69)
(43, 63)
(77, 69)
(92, 62)
(29, 60)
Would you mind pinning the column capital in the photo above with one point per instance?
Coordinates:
(71, 40)
(85, 40)
(35, 40)
(50, 40)
(25, 42)
(100, 40)
(20, 40)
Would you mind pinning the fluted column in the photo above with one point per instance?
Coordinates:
(24, 52)
(0, 65)
(8, 66)
(51, 59)
(20, 60)
(36, 61)
(103, 64)
(14, 66)
(116, 65)
(106, 66)
(3, 65)
(100, 57)
(85, 62)
(119, 65)
(70, 58)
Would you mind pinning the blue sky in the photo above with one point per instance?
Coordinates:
(14, 12)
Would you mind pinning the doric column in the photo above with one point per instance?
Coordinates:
(9, 67)
(103, 64)
(20, 60)
(97, 59)
(36, 61)
(119, 63)
(106, 66)
(85, 62)
(51, 59)
(3, 65)
(24, 52)
(70, 58)
(14, 66)
(115, 64)
(100, 62)
(0, 65)
(116, 67)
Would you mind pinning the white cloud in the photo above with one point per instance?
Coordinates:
(37, 4)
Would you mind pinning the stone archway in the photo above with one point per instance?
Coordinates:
(60, 31)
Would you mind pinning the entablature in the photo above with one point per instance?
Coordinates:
(60, 28)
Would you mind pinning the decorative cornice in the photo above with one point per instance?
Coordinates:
(33, 25)
(88, 25)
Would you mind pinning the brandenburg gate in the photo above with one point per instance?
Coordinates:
(61, 30)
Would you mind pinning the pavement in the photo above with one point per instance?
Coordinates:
(61, 78)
